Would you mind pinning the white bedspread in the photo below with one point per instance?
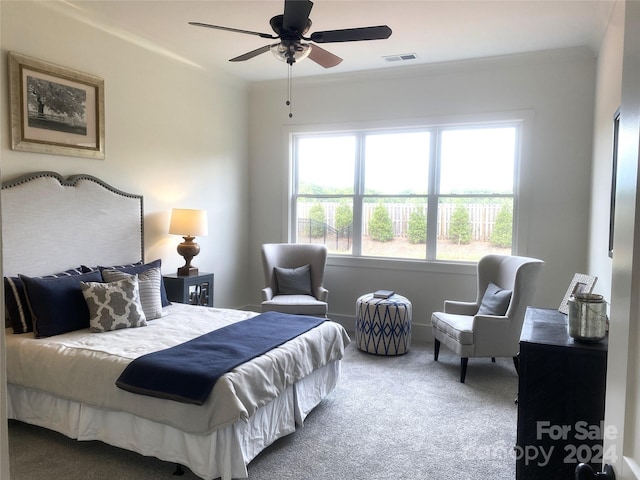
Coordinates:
(83, 367)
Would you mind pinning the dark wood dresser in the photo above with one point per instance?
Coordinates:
(561, 396)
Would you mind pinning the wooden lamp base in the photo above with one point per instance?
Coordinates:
(188, 249)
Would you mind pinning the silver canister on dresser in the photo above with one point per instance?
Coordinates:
(587, 317)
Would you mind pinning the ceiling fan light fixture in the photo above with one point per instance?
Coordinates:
(291, 27)
(290, 52)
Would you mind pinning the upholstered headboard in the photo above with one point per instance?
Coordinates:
(51, 224)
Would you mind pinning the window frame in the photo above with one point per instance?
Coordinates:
(521, 120)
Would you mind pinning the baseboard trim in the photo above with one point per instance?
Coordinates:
(631, 467)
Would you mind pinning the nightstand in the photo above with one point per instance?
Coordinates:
(561, 390)
(194, 289)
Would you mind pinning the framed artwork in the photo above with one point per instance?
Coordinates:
(581, 283)
(614, 173)
(54, 109)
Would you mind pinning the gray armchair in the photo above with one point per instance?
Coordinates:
(294, 274)
(490, 326)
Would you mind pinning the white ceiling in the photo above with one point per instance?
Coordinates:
(435, 31)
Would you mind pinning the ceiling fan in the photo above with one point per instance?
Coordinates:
(291, 28)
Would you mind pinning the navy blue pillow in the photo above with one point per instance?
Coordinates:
(16, 303)
(293, 281)
(57, 304)
(86, 269)
(139, 268)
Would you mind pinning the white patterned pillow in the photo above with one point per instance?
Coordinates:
(113, 305)
(149, 283)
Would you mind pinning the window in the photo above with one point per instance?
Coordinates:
(437, 193)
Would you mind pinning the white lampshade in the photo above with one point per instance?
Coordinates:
(188, 222)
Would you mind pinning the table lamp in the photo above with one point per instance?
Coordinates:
(189, 224)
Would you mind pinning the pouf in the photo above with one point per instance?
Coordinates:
(383, 325)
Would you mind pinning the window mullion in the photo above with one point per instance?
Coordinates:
(293, 206)
(358, 190)
(432, 203)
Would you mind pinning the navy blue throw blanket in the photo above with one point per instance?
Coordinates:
(187, 372)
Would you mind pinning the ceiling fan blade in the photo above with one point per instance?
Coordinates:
(323, 58)
(296, 15)
(251, 54)
(380, 32)
(229, 29)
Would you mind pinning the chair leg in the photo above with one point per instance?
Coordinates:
(436, 349)
(516, 363)
(463, 368)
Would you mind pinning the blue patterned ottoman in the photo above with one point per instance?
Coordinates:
(383, 325)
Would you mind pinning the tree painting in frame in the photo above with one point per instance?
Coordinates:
(54, 109)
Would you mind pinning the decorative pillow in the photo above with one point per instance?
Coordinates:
(495, 301)
(293, 281)
(139, 268)
(149, 287)
(57, 304)
(113, 305)
(87, 269)
(15, 300)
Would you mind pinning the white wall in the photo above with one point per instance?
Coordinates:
(556, 87)
(608, 97)
(174, 133)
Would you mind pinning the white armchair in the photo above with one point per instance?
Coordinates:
(490, 326)
(294, 275)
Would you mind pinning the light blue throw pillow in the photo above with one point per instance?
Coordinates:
(495, 301)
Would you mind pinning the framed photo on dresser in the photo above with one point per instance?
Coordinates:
(580, 283)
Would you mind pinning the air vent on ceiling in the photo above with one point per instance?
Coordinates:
(400, 58)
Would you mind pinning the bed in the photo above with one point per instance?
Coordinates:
(57, 230)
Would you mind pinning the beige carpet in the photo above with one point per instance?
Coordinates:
(404, 417)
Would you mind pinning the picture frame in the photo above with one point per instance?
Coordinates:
(581, 283)
(55, 110)
(614, 174)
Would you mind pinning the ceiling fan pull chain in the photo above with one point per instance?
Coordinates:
(289, 80)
